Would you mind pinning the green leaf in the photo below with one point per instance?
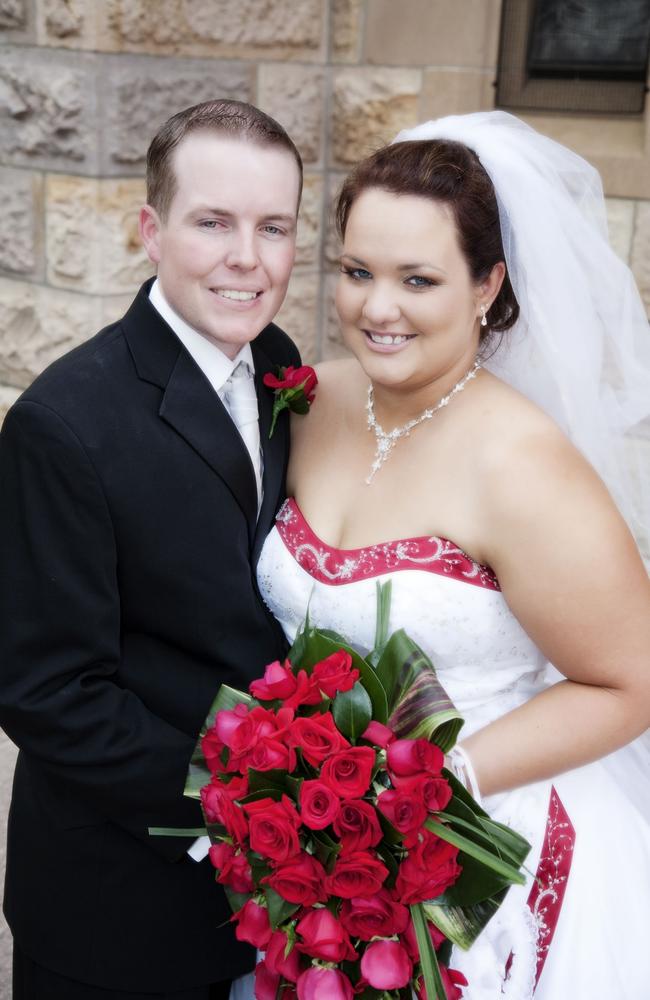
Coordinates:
(352, 711)
(428, 961)
(236, 899)
(418, 704)
(512, 874)
(176, 831)
(384, 593)
(279, 909)
(198, 776)
(276, 779)
(463, 924)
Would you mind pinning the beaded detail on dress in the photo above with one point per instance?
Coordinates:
(337, 566)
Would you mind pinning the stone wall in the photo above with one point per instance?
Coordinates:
(85, 83)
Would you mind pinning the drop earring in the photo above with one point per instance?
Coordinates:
(483, 312)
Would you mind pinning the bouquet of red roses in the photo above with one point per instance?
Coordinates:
(350, 855)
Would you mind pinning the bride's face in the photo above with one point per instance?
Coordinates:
(408, 307)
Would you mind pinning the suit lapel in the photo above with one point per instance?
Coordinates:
(190, 405)
(275, 449)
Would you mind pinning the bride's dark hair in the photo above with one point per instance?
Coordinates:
(450, 173)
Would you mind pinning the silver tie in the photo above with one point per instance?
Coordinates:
(241, 401)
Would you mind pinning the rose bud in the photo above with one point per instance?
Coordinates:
(357, 825)
(378, 734)
(348, 772)
(324, 984)
(451, 980)
(317, 737)
(356, 874)
(290, 966)
(407, 757)
(278, 682)
(323, 937)
(292, 377)
(367, 917)
(273, 828)
(270, 754)
(403, 809)
(266, 982)
(227, 721)
(319, 805)
(335, 673)
(233, 869)
(299, 880)
(386, 965)
(212, 748)
(429, 869)
(253, 924)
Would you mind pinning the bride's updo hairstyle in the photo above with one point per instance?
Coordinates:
(449, 173)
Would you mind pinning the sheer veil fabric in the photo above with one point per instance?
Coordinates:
(581, 347)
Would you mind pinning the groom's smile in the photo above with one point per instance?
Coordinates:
(226, 247)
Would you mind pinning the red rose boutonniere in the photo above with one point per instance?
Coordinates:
(293, 389)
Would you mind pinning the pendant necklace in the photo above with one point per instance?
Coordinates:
(386, 441)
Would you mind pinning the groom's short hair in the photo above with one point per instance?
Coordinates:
(233, 119)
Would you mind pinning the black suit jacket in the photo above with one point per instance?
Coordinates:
(128, 540)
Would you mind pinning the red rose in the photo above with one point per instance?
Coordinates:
(348, 772)
(429, 869)
(273, 828)
(408, 757)
(278, 682)
(436, 793)
(323, 937)
(319, 805)
(218, 807)
(357, 825)
(300, 880)
(233, 868)
(335, 673)
(289, 966)
(379, 734)
(292, 377)
(212, 748)
(374, 916)
(404, 809)
(317, 737)
(227, 721)
(269, 754)
(266, 982)
(318, 983)
(386, 965)
(356, 874)
(253, 924)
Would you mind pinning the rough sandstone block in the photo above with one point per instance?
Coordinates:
(140, 93)
(17, 26)
(640, 253)
(248, 29)
(333, 345)
(48, 109)
(295, 95)
(92, 234)
(455, 92)
(309, 222)
(37, 325)
(421, 33)
(299, 315)
(620, 222)
(369, 107)
(332, 243)
(21, 228)
(345, 45)
(67, 23)
(13, 14)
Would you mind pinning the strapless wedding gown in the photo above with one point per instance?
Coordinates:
(576, 931)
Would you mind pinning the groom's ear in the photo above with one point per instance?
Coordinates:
(149, 225)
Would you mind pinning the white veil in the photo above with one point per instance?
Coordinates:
(581, 347)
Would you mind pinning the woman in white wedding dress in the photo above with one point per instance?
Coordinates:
(501, 341)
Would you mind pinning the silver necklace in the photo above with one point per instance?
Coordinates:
(386, 441)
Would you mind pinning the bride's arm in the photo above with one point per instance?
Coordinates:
(572, 575)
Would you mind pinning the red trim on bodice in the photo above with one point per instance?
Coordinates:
(337, 566)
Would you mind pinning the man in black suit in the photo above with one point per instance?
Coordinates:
(132, 512)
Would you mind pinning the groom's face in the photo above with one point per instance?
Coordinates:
(226, 248)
